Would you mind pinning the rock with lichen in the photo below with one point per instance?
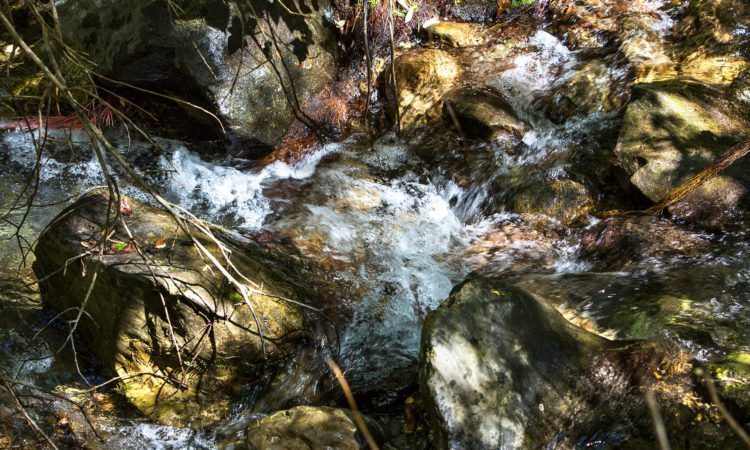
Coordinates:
(670, 132)
(500, 368)
(157, 313)
(304, 427)
(423, 76)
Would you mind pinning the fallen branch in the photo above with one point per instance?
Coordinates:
(352, 404)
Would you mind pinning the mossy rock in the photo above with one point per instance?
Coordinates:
(565, 200)
(671, 131)
(732, 377)
(162, 317)
(302, 428)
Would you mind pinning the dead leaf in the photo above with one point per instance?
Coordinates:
(159, 244)
(125, 208)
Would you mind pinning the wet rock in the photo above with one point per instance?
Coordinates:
(456, 34)
(732, 377)
(741, 91)
(684, 305)
(645, 48)
(520, 245)
(714, 204)
(502, 369)
(598, 86)
(718, 70)
(672, 131)
(479, 113)
(423, 76)
(716, 24)
(304, 427)
(210, 56)
(584, 24)
(629, 242)
(474, 10)
(157, 314)
(713, 47)
(565, 200)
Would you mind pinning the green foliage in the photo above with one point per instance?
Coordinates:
(519, 3)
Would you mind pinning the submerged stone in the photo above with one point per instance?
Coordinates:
(633, 242)
(303, 428)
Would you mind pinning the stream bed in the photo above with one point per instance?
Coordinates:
(396, 231)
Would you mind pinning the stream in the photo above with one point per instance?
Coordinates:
(396, 234)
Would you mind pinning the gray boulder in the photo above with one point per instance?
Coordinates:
(495, 361)
(249, 66)
(670, 132)
(500, 368)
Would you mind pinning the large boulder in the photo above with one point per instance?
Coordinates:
(156, 313)
(502, 369)
(494, 361)
(249, 66)
(670, 132)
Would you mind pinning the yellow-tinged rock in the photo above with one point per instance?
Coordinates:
(423, 76)
(456, 34)
(722, 70)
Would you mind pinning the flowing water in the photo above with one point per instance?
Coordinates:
(399, 235)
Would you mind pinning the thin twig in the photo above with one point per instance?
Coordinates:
(661, 430)
(352, 404)
(393, 65)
